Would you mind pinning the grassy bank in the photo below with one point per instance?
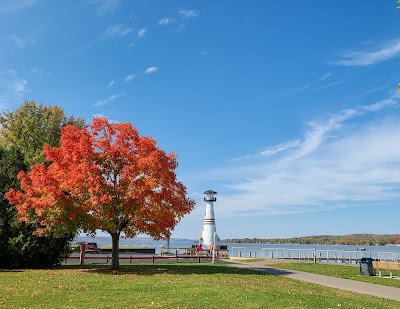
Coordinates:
(340, 271)
(169, 286)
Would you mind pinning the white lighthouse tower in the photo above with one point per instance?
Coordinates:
(209, 234)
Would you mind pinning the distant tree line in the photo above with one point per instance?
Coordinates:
(352, 239)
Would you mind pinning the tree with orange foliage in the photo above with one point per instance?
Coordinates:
(106, 178)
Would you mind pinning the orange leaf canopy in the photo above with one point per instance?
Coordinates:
(106, 178)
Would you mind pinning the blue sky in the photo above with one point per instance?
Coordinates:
(288, 109)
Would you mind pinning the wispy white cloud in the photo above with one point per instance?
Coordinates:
(99, 116)
(325, 76)
(118, 30)
(186, 14)
(305, 87)
(376, 86)
(19, 86)
(107, 6)
(151, 70)
(181, 27)
(318, 131)
(378, 106)
(312, 85)
(269, 151)
(130, 77)
(21, 43)
(113, 32)
(15, 5)
(13, 88)
(279, 148)
(142, 33)
(38, 70)
(346, 160)
(329, 85)
(379, 53)
(104, 116)
(107, 100)
(166, 21)
(110, 84)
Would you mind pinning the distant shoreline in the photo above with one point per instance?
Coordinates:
(351, 239)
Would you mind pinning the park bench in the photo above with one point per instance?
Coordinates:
(389, 266)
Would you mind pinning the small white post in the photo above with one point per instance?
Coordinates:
(213, 251)
(315, 255)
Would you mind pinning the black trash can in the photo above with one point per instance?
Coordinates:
(366, 268)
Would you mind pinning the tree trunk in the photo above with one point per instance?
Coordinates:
(115, 251)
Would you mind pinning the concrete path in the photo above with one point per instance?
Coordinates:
(338, 283)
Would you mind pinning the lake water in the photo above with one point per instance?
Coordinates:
(306, 251)
(260, 250)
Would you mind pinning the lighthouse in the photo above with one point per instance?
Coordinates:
(209, 234)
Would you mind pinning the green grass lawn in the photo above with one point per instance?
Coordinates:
(169, 286)
(340, 271)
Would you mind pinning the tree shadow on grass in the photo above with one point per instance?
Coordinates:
(143, 269)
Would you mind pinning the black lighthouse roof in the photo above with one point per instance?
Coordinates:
(210, 192)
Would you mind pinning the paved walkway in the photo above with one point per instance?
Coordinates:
(338, 283)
